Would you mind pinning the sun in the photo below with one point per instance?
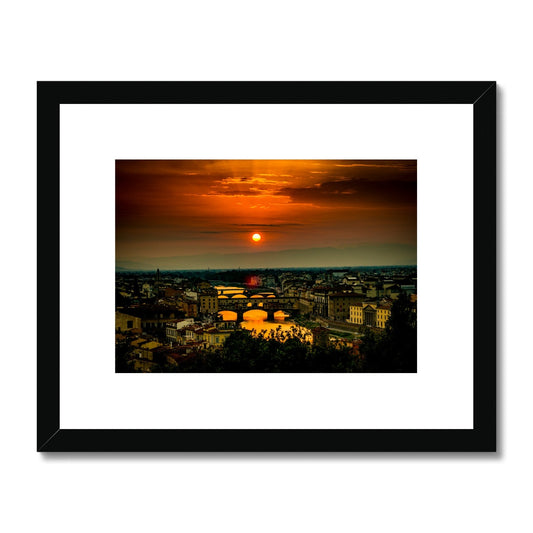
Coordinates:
(256, 237)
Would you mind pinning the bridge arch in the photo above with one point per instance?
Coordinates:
(258, 314)
(228, 315)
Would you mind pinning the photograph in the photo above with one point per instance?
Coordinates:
(244, 266)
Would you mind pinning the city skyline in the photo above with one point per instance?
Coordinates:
(199, 214)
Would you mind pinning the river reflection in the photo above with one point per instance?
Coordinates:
(253, 320)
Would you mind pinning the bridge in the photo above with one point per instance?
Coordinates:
(270, 303)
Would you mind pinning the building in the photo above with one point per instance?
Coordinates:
(170, 292)
(320, 300)
(154, 317)
(144, 354)
(126, 322)
(383, 313)
(145, 351)
(409, 289)
(338, 274)
(208, 301)
(339, 304)
(173, 327)
(370, 314)
(146, 290)
(305, 305)
(189, 306)
(215, 337)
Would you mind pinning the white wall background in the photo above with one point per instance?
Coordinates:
(280, 40)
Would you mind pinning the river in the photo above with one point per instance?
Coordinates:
(255, 319)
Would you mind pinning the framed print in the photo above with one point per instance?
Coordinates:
(266, 266)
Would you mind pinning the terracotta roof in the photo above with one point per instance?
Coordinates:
(346, 295)
(150, 345)
(138, 342)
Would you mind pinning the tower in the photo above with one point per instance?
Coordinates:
(157, 282)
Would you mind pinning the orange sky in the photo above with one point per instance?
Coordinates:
(176, 208)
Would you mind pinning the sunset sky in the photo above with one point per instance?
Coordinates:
(199, 214)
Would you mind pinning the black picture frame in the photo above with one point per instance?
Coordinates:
(52, 438)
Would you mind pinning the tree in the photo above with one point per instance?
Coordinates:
(122, 358)
(275, 351)
(396, 349)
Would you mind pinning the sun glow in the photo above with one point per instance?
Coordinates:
(256, 237)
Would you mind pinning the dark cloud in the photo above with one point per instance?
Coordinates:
(356, 191)
(237, 192)
(281, 225)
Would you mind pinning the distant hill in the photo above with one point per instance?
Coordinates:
(361, 255)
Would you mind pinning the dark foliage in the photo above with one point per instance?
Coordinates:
(274, 352)
(394, 350)
(122, 360)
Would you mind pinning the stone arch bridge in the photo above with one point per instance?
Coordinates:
(241, 303)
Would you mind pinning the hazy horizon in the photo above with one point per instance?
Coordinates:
(391, 255)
